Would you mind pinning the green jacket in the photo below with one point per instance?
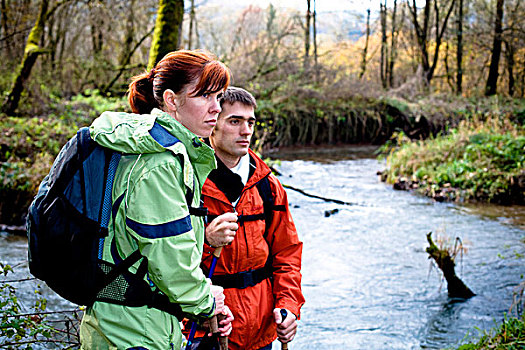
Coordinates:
(153, 217)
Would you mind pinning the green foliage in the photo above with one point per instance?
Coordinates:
(28, 146)
(479, 160)
(510, 335)
(18, 328)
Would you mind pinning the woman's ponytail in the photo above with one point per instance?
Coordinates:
(140, 93)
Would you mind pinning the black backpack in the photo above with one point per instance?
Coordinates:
(68, 222)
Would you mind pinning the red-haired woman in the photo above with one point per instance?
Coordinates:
(156, 189)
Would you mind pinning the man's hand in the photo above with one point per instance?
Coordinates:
(225, 323)
(221, 231)
(285, 329)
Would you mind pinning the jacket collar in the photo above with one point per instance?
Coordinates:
(215, 188)
(200, 154)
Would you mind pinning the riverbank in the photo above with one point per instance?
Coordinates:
(480, 160)
(29, 145)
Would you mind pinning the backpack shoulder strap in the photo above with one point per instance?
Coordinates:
(265, 191)
(165, 139)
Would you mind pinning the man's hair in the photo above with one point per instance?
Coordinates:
(236, 94)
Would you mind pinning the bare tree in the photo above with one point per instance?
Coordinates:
(492, 80)
(192, 20)
(393, 47)
(384, 44)
(316, 63)
(365, 49)
(32, 50)
(129, 46)
(423, 32)
(459, 53)
(306, 62)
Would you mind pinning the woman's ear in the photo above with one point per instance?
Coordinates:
(170, 100)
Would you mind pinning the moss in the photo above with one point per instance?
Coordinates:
(166, 37)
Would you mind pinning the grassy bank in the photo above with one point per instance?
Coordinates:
(482, 159)
(510, 335)
(28, 147)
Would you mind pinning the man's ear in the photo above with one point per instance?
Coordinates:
(170, 100)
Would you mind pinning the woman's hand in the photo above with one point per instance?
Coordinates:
(225, 322)
(221, 231)
(218, 294)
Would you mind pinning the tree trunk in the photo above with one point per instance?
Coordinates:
(365, 49)
(509, 54)
(192, 20)
(31, 53)
(383, 59)
(448, 75)
(306, 63)
(97, 29)
(392, 47)
(166, 37)
(439, 35)
(456, 287)
(4, 27)
(459, 54)
(422, 34)
(492, 80)
(316, 65)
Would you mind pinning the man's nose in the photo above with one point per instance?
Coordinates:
(246, 129)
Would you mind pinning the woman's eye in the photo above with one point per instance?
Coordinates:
(205, 95)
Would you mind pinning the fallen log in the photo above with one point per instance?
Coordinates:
(456, 287)
(16, 230)
(316, 196)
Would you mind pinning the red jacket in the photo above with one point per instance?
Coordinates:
(252, 307)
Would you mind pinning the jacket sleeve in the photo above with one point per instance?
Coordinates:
(286, 251)
(157, 217)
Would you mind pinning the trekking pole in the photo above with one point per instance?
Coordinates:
(284, 313)
(214, 324)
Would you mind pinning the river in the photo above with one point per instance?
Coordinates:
(367, 279)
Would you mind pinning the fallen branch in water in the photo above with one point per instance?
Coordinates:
(456, 287)
(16, 230)
(318, 197)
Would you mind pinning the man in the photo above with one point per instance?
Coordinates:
(260, 263)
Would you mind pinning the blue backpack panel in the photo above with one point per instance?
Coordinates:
(68, 220)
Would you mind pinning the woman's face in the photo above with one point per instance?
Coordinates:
(198, 114)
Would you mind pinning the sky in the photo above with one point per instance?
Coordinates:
(321, 5)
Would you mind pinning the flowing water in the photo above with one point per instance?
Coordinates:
(367, 279)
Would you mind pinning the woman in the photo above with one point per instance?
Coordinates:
(159, 177)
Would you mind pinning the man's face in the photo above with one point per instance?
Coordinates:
(233, 132)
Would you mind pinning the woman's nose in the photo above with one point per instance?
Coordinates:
(216, 106)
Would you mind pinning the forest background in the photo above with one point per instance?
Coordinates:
(440, 84)
(388, 74)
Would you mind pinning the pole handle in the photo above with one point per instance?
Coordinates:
(217, 252)
(284, 313)
(223, 341)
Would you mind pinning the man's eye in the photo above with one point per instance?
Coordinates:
(220, 96)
